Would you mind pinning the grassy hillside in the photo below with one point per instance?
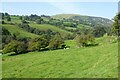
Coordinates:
(51, 27)
(98, 62)
(66, 16)
(76, 16)
(81, 26)
(14, 29)
(83, 19)
(23, 33)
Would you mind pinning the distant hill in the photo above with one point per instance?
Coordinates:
(66, 16)
(86, 20)
(55, 24)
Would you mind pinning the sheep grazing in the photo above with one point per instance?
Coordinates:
(67, 47)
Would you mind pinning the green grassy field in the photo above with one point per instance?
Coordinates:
(14, 29)
(91, 62)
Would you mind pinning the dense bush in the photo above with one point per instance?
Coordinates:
(21, 18)
(5, 31)
(99, 31)
(2, 22)
(56, 42)
(32, 17)
(39, 21)
(37, 44)
(6, 36)
(84, 40)
(24, 22)
(8, 18)
(15, 46)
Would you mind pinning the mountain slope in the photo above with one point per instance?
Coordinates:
(86, 20)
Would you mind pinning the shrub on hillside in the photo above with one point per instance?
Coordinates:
(6, 36)
(8, 18)
(21, 18)
(99, 31)
(24, 22)
(84, 40)
(39, 21)
(56, 42)
(37, 44)
(15, 46)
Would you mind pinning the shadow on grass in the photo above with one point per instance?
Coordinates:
(47, 49)
(90, 45)
(14, 54)
(42, 50)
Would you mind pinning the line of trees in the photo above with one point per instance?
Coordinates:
(15, 43)
(36, 44)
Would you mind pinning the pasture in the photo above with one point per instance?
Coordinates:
(91, 62)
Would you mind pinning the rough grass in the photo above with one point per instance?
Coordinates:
(91, 62)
